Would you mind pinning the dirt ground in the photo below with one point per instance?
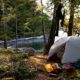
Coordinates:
(41, 60)
(43, 75)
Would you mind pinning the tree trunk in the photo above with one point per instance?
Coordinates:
(5, 26)
(70, 25)
(16, 25)
(53, 28)
(16, 35)
(43, 29)
(5, 43)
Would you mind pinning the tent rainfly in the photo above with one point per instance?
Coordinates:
(71, 53)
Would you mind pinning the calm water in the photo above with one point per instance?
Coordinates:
(35, 45)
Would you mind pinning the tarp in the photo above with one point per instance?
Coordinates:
(57, 45)
(72, 49)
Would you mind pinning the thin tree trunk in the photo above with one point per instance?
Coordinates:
(70, 25)
(43, 29)
(5, 25)
(16, 36)
(16, 23)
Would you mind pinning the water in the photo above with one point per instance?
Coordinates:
(34, 42)
(35, 45)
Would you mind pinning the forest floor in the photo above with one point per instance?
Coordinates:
(19, 65)
(44, 75)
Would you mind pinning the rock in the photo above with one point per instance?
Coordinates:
(30, 51)
(53, 75)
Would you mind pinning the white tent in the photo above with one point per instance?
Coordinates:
(72, 49)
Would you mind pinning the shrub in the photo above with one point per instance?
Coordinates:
(21, 70)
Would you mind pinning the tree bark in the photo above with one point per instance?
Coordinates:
(43, 29)
(16, 25)
(53, 28)
(5, 26)
(70, 25)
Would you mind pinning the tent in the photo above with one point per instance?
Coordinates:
(71, 53)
